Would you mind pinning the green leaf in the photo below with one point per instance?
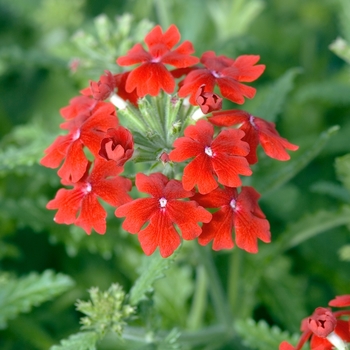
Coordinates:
(342, 168)
(344, 252)
(312, 225)
(260, 336)
(331, 189)
(20, 295)
(341, 48)
(273, 100)
(273, 177)
(153, 270)
(78, 341)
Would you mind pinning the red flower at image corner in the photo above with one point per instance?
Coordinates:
(152, 75)
(222, 157)
(257, 131)
(237, 211)
(227, 73)
(325, 329)
(162, 211)
(84, 130)
(80, 205)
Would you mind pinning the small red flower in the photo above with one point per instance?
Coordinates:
(322, 322)
(162, 210)
(208, 101)
(221, 157)
(80, 205)
(226, 73)
(152, 75)
(102, 89)
(240, 212)
(84, 130)
(257, 131)
(118, 145)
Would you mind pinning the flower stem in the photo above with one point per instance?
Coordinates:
(233, 278)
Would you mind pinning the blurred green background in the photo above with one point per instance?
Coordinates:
(49, 49)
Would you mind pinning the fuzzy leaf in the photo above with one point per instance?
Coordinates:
(20, 295)
(78, 341)
(342, 167)
(152, 270)
(314, 224)
(275, 96)
(275, 176)
(260, 336)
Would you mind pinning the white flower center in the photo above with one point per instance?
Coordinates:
(88, 188)
(216, 74)
(76, 135)
(233, 204)
(208, 151)
(251, 121)
(163, 202)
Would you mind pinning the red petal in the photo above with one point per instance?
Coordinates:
(159, 233)
(229, 117)
(137, 54)
(340, 301)
(185, 148)
(230, 141)
(216, 198)
(153, 184)
(174, 190)
(56, 152)
(286, 346)
(235, 91)
(170, 38)
(187, 215)
(247, 71)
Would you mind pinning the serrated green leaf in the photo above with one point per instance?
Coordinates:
(261, 336)
(342, 168)
(274, 98)
(78, 341)
(20, 295)
(153, 268)
(275, 176)
(312, 225)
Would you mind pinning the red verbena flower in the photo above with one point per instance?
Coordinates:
(162, 211)
(322, 322)
(80, 205)
(238, 211)
(152, 75)
(118, 145)
(208, 101)
(102, 89)
(78, 105)
(227, 73)
(221, 157)
(257, 131)
(84, 130)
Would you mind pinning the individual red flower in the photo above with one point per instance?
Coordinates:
(102, 89)
(340, 301)
(118, 145)
(80, 205)
(237, 211)
(322, 322)
(84, 130)
(162, 211)
(221, 157)
(227, 73)
(152, 75)
(79, 105)
(257, 131)
(208, 101)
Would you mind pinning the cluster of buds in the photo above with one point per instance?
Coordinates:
(195, 162)
(326, 329)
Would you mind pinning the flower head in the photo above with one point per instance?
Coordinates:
(102, 89)
(222, 157)
(225, 72)
(152, 75)
(208, 101)
(162, 211)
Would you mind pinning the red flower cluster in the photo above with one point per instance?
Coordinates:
(325, 329)
(211, 161)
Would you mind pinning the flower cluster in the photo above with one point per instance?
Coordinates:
(197, 164)
(325, 328)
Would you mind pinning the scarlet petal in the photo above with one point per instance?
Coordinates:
(247, 71)
(218, 230)
(92, 215)
(149, 78)
(229, 117)
(199, 172)
(202, 132)
(187, 215)
(235, 91)
(159, 233)
(185, 148)
(340, 301)
(137, 213)
(230, 141)
(286, 346)
(152, 184)
(136, 54)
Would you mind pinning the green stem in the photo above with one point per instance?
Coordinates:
(233, 278)
(216, 291)
(196, 315)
